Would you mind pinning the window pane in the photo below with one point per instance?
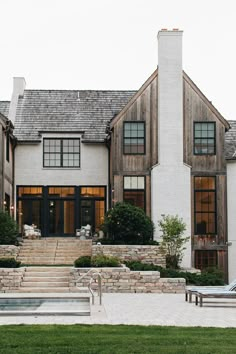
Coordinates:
(134, 141)
(135, 198)
(61, 153)
(92, 192)
(205, 205)
(204, 138)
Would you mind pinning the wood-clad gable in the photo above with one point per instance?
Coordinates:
(141, 108)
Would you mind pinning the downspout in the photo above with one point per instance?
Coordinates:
(108, 145)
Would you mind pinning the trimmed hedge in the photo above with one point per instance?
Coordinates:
(9, 263)
(207, 277)
(96, 262)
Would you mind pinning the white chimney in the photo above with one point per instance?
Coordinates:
(171, 178)
(18, 90)
(170, 97)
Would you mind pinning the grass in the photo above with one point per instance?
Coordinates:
(107, 339)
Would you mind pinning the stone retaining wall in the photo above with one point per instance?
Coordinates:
(9, 251)
(10, 279)
(143, 253)
(123, 280)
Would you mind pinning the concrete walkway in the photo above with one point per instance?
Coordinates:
(143, 309)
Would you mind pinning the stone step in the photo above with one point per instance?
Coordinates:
(42, 259)
(48, 269)
(46, 261)
(45, 284)
(48, 274)
(44, 290)
(30, 278)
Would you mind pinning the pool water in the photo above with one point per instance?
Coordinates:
(29, 305)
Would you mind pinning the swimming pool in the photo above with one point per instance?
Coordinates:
(42, 305)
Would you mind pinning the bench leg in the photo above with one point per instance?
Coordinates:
(196, 299)
(186, 296)
(201, 301)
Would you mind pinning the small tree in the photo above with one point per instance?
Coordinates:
(8, 229)
(128, 224)
(172, 244)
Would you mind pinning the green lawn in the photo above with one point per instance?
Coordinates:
(58, 339)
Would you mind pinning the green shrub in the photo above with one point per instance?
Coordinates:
(83, 262)
(8, 229)
(105, 261)
(9, 263)
(96, 262)
(206, 278)
(127, 224)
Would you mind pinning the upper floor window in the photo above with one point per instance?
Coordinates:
(134, 190)
(134, 138)
(8, 146)
(61, 152)
(204, 138)
(205, 205)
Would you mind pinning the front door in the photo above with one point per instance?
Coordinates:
(61, 217)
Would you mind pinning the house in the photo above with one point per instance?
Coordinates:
(164, 148)
(7, 145)
(61, 158)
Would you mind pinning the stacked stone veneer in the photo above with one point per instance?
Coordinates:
(10, 279)
(123, 280)
(9, 251)
(143, 253)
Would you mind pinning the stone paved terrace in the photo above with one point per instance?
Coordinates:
(143, 309)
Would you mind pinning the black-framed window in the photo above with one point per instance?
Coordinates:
(134, 191)
(8, 146)
(61, 153)
(134, 138)
(205, 205)
(205, 259)
(204, 138)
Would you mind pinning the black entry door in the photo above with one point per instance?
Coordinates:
(61, 217)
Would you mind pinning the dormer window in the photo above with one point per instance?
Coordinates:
(63, 153)
(204, 138)
(134, 138)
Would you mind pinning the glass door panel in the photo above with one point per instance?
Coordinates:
(99, 213)
(69, 216)
(87, 212)
(55, 218)
(29, 213)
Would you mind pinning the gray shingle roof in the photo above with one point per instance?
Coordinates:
(230, 141)
(66, 110)
(4, 107)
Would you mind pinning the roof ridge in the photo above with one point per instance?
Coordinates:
(76, 90)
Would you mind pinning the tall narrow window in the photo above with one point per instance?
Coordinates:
(7, 146)
(204, 138)
(134, 138)
(61, 153)
(134, 190)
(205, 205)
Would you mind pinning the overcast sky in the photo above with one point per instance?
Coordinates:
(108, 44)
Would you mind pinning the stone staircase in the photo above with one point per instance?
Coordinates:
(48, 263)
(52, 251)
(46, 280)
